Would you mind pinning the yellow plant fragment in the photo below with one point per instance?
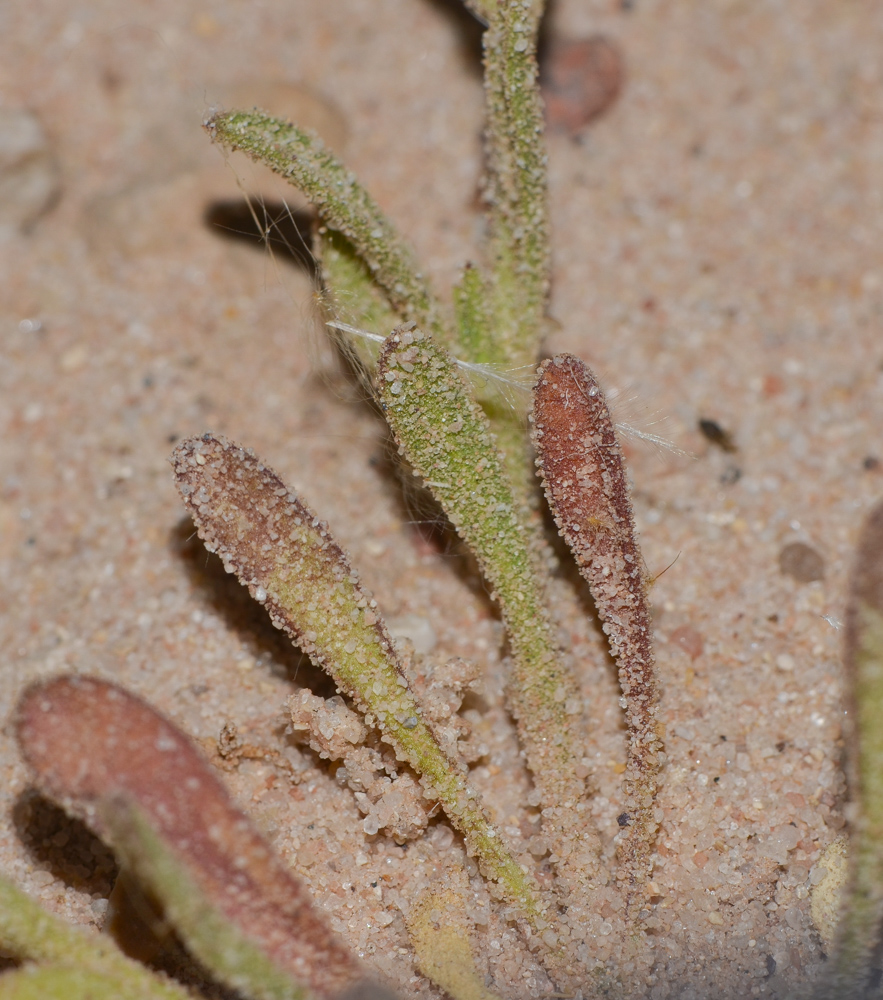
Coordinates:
(827, 894)
(440, 931)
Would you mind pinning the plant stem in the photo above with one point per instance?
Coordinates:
(27, 931)
(859, 931)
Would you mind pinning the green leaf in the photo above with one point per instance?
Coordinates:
(291, 563)
(859, 932)
(29, 932)
(517, 180)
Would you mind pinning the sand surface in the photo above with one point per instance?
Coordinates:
(717, 255)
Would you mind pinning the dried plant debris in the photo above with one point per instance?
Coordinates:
(139, 782)
(858, 956)
(272, 541)
(585, 484)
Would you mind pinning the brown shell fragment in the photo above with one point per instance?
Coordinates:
(585, 484)
(97, 749)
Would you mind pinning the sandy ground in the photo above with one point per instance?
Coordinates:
(716, 256)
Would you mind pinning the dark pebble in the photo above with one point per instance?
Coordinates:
(580, 81)
(712, 431)
(801, 562)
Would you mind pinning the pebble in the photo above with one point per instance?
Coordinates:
(801, 562)
(580, 81)
(689, 640)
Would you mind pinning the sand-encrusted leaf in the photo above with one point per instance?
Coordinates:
(68, 957)
(859, 933)
(472, 313)
(61, 982)
(516, 184)
(585, 483)
(108, 757)
(445, 436)
(289, 560)
(350, 294)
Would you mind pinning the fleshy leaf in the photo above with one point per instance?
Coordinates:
(29, 932)
(859, 932)
(342, 203)
(61, 982)
(585, 484)
(352, 295)
(107, 756)
(516, 185)
(289, 560)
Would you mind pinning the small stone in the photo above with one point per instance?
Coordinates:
(689, 640)
(712, 431)
(580, 81)
(801, 562)
(784, 661)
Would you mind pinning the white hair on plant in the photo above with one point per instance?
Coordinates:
(515, 386)
(519, 380)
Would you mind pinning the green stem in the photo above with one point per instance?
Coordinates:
(516, 189)
(27, 931)
(859, 931)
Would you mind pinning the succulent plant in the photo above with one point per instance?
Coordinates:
(442, 374)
